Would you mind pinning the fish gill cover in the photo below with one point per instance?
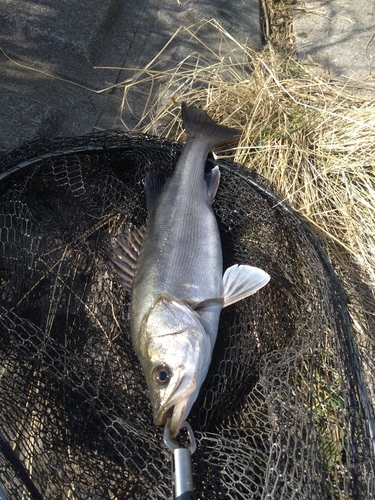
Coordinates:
(282, 413)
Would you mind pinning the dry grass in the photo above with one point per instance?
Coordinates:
(313, 138)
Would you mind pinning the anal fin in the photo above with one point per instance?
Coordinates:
(212, 179)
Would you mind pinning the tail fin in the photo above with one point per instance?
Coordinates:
(198, 124)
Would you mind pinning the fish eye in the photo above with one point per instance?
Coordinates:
(161, 375)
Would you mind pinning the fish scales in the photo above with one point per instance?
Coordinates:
(183, 236)
(177, 283)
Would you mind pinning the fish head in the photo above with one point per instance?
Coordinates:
(175, 357)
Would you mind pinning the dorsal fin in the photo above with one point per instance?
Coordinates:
(123, 252)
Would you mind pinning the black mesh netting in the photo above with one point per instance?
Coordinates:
(283, 412)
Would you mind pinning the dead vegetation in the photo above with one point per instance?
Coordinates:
(311, 137)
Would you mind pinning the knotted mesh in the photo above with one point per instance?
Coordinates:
(283, 413)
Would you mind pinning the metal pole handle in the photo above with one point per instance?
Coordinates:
(182, 476)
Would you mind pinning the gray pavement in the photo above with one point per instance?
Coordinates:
(47, 44)
(48, 83)
(337, 36)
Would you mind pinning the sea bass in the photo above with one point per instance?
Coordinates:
(173, 269)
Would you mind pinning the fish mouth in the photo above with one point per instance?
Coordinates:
(178, 405)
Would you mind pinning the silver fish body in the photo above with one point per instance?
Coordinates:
(181, 251)
(176, 281)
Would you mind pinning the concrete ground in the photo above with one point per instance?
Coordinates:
(337, 36)
(48, 84)
(48, 51)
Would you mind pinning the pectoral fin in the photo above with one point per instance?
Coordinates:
(123, 252)
(241, 281)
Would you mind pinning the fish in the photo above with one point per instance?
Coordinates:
(173, 269)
